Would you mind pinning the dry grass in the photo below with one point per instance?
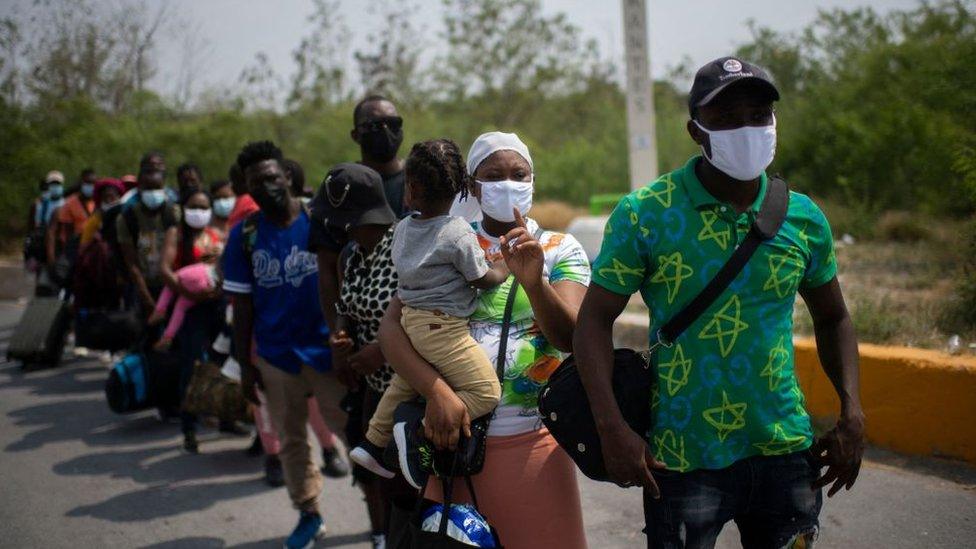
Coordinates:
(899, 292)
(555, 215)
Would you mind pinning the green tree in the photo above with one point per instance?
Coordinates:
(875, 109)
(508, 53)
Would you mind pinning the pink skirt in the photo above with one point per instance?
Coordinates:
(527, 491)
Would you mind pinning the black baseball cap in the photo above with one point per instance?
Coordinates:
(352, 195)
(715, 76)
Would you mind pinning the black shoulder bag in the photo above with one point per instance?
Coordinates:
(563, 402)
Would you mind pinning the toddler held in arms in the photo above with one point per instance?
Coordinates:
(440, 267)
(194, 278)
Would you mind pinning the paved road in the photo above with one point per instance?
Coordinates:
(75, 475)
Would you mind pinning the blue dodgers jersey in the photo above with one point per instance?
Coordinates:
(282, 278)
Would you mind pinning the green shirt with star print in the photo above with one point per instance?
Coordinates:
(726, 388)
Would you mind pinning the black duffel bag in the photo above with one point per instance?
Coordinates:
(143, 380)
(107, 330)
(563, 401)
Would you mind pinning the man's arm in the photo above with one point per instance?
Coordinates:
(129, 257)
(168, 258)
(841, 448)
(626, 454)
(328, 261)
(243, 330)
(50, 241)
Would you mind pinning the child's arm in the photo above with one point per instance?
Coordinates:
(496, 276)
(470, 261)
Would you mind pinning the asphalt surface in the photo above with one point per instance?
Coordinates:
(73, 474)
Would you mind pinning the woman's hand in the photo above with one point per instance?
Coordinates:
(523, 253)
(367, 360)
(340, 342)
(446, 417)
(344, 372)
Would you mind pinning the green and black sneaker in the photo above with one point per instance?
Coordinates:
(415, 454)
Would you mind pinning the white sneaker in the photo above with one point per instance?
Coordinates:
(361, 455)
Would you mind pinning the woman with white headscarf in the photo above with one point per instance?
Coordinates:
(528, 487)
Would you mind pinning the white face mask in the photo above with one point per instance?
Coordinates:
(498, 198)
(197, 219)
(106, 206)
(223, 206)
(742, 153)
(153, 199)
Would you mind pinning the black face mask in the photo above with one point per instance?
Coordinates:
(271, 198)
(381, 145)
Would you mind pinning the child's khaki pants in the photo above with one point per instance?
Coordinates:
(446, 343)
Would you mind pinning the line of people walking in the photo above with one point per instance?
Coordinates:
(423, 287)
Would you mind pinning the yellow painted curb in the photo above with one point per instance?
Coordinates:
(916, 401)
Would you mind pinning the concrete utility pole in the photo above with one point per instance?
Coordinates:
(640, 96)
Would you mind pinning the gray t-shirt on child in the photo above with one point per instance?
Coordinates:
(436, 259)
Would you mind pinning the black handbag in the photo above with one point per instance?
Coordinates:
(563, 402)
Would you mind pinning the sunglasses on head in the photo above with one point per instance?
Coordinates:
(394, 123)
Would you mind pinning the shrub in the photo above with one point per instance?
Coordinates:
(900, 226)
(960, 313)
(878, 320)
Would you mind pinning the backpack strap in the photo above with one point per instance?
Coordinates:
(249, 235)
(768, 221)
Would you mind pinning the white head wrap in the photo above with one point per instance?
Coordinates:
(483, 147)
(492, 142)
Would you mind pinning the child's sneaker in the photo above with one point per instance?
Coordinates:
(370, 456)
(415, 454)
(310, 527)
(163, 344)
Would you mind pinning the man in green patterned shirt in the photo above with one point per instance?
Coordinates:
(731, 439)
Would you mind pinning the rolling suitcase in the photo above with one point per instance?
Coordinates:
(39, 337)
(143, 380)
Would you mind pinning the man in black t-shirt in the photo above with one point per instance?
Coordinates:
(378, 129)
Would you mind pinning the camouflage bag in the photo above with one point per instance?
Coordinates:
(211, 393)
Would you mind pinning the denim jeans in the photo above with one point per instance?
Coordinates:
(769, 498)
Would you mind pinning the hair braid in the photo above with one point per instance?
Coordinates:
(439, 165)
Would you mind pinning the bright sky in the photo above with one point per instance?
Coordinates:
(235, 30)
